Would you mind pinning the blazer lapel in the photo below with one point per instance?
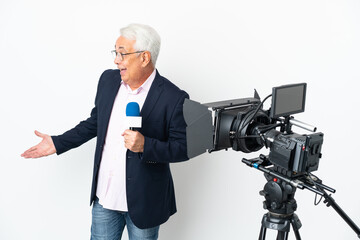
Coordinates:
(154, 93)
(111, 93)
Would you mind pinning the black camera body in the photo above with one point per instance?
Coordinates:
(243, 125)
(295, 154)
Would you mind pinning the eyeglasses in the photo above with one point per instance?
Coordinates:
(121, 55)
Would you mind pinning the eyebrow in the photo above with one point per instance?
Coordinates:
(119, 47)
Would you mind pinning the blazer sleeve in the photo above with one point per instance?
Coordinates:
(80, 134)
(174, 149)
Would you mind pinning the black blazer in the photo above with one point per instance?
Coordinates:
(149, 184)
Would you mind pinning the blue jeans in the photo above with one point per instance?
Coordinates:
(109, 225)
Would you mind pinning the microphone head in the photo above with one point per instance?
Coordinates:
(132, 109)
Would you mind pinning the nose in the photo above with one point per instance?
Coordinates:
(117, 60)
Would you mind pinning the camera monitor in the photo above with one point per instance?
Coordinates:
(288, 99)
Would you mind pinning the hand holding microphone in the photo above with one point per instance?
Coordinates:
(134, 140)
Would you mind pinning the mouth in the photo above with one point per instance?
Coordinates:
(122, 70)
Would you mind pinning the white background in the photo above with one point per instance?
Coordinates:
(53, 52)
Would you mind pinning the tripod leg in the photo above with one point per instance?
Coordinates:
(296, 224)
(297, 234)
(262, 234)
(282, 235)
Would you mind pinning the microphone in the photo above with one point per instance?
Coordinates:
(133, 115)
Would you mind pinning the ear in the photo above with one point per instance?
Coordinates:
(145, 58)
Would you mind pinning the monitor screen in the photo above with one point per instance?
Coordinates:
(288, 99)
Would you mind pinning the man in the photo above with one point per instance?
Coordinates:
(132, 183)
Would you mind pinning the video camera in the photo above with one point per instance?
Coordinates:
(243, 125)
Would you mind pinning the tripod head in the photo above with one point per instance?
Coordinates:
(279, 196)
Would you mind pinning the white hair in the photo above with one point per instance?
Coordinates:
(146, 39)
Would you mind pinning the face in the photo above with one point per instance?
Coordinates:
(131, 68)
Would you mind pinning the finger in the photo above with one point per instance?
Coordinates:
(130, 139)
(126, 132)
(39, 134)
(33, 154)
(34, 148)
(27, 155)
(29, 150)
(36, 153)
(127, 145)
